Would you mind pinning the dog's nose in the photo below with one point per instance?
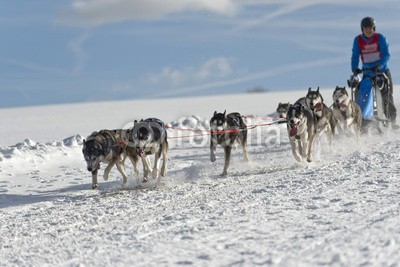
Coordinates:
(90, 169)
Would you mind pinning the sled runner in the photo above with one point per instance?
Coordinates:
(371, 92)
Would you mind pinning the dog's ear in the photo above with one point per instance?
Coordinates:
(225, 113)
(215, 113)
(309, 89)
(318, 89)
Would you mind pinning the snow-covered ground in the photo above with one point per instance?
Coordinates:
(342, 209)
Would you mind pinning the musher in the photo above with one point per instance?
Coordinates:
(373, 48)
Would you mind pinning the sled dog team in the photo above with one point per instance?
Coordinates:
(307, 118)
(112, 147)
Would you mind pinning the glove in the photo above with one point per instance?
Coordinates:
(376, 68)
(357, 71)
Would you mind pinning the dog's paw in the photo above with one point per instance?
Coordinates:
(144, 180)
(213, 158)
(224, 173)
(94, 186)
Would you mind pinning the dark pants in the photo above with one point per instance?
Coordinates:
(389, 93)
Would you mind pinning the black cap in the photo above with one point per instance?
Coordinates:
(368, 22)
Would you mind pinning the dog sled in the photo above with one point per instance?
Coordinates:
(371, 92)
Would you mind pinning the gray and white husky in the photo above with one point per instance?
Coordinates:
(301, 131)
(225, 131)
(282, 110)
(107, 146)
(346, 112)
(148, 137)
(324, 120)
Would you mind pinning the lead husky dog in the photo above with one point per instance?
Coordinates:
(346, 112)
(301, 128)
(324, 120)
(149, 137)
(225, 131)
(107, 146)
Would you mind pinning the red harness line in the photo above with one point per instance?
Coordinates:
(208, 132)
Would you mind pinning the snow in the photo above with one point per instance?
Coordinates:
(342, 209)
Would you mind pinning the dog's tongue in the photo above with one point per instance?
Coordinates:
(318, 106)
(293, 131)
(140, 152)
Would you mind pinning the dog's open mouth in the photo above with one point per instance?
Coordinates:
(341, 105)
(293, 129)
(139, 152)
(317, 106)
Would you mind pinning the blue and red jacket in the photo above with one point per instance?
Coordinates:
(373, 52)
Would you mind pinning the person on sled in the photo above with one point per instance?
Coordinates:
(373, 49)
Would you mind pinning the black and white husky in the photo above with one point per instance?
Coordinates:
(324, 120)
(149, 137)
(301, 130)
(282, 110)
(225, 131)
(107, 146)
(346, 112)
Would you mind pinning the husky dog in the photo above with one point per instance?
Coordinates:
(282, 109)
(301, 128)
(346, 112)
(149, 137)
(324, 120)
(302, 101)
(107, 146)
(225, 130)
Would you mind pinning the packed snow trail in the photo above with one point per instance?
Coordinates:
(342, 209)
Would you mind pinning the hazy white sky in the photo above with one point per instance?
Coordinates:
(85, 50)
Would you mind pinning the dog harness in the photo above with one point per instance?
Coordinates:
(111, 143)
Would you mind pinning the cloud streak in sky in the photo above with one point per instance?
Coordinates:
(98, 12)
(214, 68)
(256, 76)
(79, 53)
